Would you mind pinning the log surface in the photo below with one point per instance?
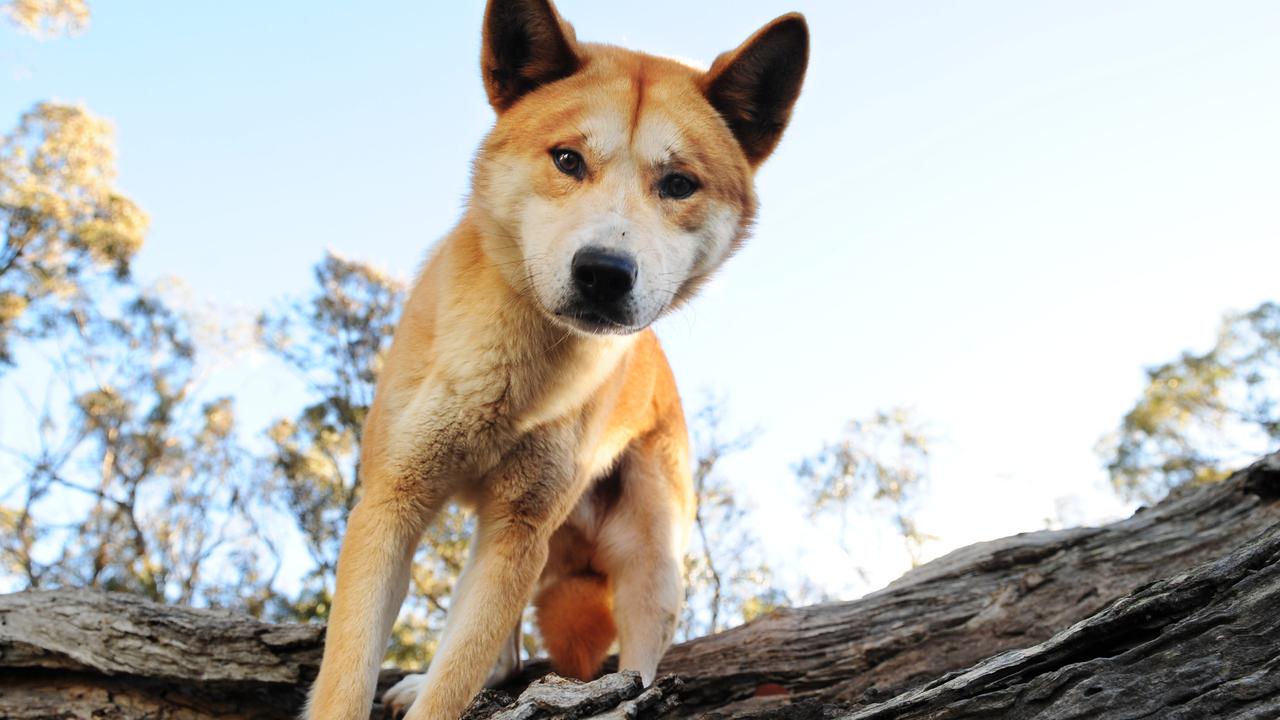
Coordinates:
(1202, 644)
(1172, 613)
(76, 653)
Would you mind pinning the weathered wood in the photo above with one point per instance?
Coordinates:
(1047, 622)
(617, 696)
(1202, 644)
(68, 653)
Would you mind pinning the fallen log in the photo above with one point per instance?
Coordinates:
(1175, 605)
(1201, 644)
(82, 654)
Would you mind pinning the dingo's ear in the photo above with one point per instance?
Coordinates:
(754, 86)
(526, 44)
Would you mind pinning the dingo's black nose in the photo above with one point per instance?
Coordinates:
(603, 276)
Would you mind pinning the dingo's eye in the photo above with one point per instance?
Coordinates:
(569, 162)
(676, 186)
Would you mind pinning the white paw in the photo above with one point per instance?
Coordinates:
(397, 699)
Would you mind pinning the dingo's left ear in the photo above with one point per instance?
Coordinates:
(754, 86)
(526, 44)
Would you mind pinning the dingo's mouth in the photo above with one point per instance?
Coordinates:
(595, 322)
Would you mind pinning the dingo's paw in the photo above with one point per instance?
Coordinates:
(398, 698)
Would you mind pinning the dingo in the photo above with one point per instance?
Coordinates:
(524, 380)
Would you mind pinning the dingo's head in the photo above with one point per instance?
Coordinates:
(614, 183)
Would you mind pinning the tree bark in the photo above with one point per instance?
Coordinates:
(77, 653)
(1202, 644)
(1172, 613)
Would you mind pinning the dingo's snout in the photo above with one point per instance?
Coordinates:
(603, 277)
(602, 283)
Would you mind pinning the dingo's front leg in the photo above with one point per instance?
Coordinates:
(373, 576)
(522, 503)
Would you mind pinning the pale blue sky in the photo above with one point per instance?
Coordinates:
(994, 212)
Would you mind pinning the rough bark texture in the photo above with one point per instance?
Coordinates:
(1202, 644)
(617, 696)
(75, 653)
(1172, 613)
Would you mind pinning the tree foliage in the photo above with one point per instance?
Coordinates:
(48, 18)
(66, 227)
(334, 341)
(136, 484)
(129, 481)
(1202, 413)
(879, 465)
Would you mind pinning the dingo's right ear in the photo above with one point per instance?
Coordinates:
(526, 44)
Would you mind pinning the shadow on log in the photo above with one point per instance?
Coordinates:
(1172, 613)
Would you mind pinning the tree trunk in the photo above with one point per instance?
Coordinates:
(1172, 613)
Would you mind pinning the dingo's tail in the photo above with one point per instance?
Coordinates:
(575, 616)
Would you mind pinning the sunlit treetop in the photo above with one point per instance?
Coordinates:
(62, 222)
(1203, 414)
(48, 18)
